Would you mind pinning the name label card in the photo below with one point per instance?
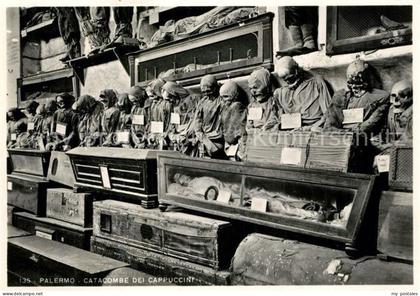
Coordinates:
(353, 115)
(43, 234)
(61, 129)
(13, 137)
(255, 113)
(175, 118)
(231, 150)
(224, 196)
(9, 186)
(31, 126)
(291, 155)
(105, 177)
(290, 121)
(259, 204)
(382, 162)
(138, 119)
(123, 137)
(157, 127)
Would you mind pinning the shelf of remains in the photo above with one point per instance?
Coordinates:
(307, 202)
(228, 51)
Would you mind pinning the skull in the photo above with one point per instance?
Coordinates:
(402, 94)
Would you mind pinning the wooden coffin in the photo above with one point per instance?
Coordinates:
(126, 174)
(65, 205)
(189, 237)
(327, 151)
(267, 260)
(395, 225)
(325, 204)
(401, 168)
(28, 192)
(34, 162)
(53, 229)
(39, 261)
(60, 169)
(185, 272)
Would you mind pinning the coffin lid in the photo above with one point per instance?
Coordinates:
(110, 152)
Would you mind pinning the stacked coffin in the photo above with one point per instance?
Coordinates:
(51, 209)
(188, 249)
(326, 151)
(396, 205)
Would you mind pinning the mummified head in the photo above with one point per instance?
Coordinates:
(402, 94)
(64, 101)
(358, 77)
(229, 92)
(259, 84)
(209, 86)
(288, 70)
(108, 98)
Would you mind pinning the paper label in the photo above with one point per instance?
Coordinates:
(224, 196)
(231, 150)
(259, 204)
(9, 186)
(353, 115)
(290, 155)
(289, 121)
(61, 129)
(123, 137)
(105, 177)
(13, 137)
(382, 162)
(24, 33)
(31, 126)
(138, 119)
(175, 118)
(43, 234)
(157, 127)
(255, 113)
(153, 16)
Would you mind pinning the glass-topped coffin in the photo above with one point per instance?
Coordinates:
(312, 202)
(127, 174)
(231, 50)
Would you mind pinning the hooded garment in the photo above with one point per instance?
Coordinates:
(141, 106)
(184, 104)
(310, 97)
(32, 105)
(124, 105)
(68, 117)
(40, 116)
(400, 124)
(22, 137)
(50, 108)
(110, 115)
(233, 114)
(375, 105)
(206, 121)
(155, 87)
(160, 109)
(269, 120)
(90, 111)
(19, 118)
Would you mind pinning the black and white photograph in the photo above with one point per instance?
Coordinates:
(209, 146)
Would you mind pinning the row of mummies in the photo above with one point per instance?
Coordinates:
(166, 116)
